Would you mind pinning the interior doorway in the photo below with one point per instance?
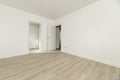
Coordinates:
(58, 37)
(34, 37)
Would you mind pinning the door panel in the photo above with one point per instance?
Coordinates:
(51, 40)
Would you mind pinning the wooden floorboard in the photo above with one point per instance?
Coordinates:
(55, 66)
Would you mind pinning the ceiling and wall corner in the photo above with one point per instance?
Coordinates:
(52, 9)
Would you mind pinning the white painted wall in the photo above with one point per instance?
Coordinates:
(93, 32)
(14, 31)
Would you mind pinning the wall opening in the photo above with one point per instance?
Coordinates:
(34, 37)
(58, 37)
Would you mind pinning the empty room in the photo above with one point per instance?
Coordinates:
(59, 39)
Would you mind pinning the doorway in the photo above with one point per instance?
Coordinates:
(58, 37)
(34, 37)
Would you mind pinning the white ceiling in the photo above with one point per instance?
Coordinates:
(52, 9)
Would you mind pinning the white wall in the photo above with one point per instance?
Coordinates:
(14, 31)
(93, 32)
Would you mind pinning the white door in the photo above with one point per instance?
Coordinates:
(51, 38)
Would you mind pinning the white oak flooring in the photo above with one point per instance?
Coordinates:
(55, 66)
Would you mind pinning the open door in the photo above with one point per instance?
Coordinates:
(51, 38)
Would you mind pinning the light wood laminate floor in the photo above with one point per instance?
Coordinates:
(55, 66)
